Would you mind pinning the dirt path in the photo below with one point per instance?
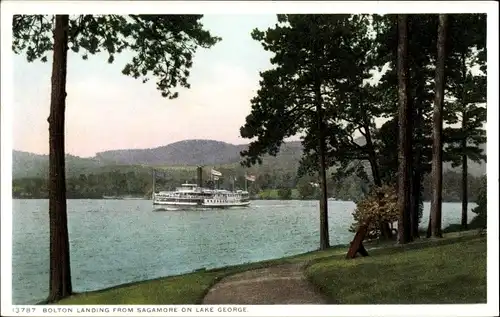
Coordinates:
(282, 284)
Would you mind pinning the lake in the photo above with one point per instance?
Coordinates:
(120, 241)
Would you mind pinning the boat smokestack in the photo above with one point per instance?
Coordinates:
(199, 171)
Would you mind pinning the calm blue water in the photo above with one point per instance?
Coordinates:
(120, 241)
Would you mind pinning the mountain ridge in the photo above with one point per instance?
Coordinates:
(182, 153)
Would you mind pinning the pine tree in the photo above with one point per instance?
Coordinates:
(467, 91)
(437, 132)
(164, 47)
(404, 133)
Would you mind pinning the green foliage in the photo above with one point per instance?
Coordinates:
(268, 194)
(452, 186)
(114, 183)
(305, 60)
(463, 91)
(350, 104)
(305, 189)
(482, 206)
(285, 193)
(348, 188)
(387, 140)
(467, 89)
(421, 56)
(30, 188)
(379, 206)
(164, 45)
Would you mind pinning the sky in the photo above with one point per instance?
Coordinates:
(106, 110)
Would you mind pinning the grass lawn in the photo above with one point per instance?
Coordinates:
(386, 264)
(446, 273)
(182, 289)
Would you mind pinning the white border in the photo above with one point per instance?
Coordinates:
(256, 7)
(265, 310)
(492, 156)
(246, 7)
(6, 159)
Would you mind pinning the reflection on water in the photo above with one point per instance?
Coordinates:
(120, 241)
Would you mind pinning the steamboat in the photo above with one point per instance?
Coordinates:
(195, 196)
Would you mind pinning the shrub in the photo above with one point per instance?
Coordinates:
(481, 208)
(305, 189)
(380, 205)
(285, 193)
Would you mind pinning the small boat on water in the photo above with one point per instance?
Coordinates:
(132, 198)
(112, 197)
(122, 197)
(194, 196)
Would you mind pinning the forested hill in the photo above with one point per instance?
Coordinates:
(189, 152)
(25, 164)
(184, 153)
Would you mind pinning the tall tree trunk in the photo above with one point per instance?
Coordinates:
(416, 180)
(417, 197)
(323, 199)
(404, 151)
(409, 160)
(60, 274)
(437, 131)
(465, 201)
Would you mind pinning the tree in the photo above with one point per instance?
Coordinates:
(482, 208)
(305, 189)
(285, 193)
(354, 107)
(164, 47)
(60, 273)
(404, 149)
(387, 140)
(467, 34)
(468, 89)
(437, 132)
(356, 102)
(421, 55)
(379, 206)
(294, 96)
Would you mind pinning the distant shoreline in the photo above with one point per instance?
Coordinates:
(345, 201)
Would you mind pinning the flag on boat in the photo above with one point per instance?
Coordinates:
(250, 178)
(216, 173)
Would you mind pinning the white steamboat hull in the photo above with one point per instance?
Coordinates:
(190, 196)
(188, 205)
